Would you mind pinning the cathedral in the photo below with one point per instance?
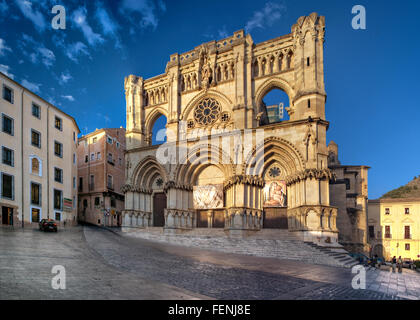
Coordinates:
(231, 161)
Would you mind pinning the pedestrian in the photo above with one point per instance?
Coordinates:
(400, 263)
(394, 263)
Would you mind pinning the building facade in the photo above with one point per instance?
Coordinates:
(101, 169)
(394, 228)
(349, 193)
(225, 163)
(38, 167)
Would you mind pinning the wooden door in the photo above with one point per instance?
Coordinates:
(159, 206)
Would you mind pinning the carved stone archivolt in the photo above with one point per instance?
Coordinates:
(318, 174)
(174, 185)
(131, 188)
(244, 179)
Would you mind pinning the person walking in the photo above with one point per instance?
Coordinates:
(394, 263)
(400, 264)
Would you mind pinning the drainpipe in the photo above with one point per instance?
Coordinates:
(48, 162)
(21, 153)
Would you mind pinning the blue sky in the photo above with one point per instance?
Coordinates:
(371, 75)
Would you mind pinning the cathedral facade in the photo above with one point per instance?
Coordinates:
(227, 161)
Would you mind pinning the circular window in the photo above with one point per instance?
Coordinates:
(274, 172)
(207, 112)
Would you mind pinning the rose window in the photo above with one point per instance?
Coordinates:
(207, 112)
(274, 172)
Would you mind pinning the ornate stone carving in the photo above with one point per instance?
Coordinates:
(244, 179)
(318, 174)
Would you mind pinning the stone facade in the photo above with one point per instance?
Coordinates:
(101, 168)
(38, 170)
(349, 193)
(217, 131)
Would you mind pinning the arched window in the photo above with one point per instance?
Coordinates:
(35, 165)
(274, 106)
(159, 130)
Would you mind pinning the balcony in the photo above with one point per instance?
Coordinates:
(111, 162)
(408, 236)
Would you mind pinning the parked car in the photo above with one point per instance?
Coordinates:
(408, 263)
(48, 225)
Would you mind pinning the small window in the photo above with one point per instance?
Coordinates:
(110, 182)
(94, 140)
(35, 138)
(113, 203)
(74, 136)
(35, 215)
(308, 61)
(58, 123)
(36, 111)
(7, 94)
(109, 140)
(58, 175)
(86, 158)
(7, 156)
(58, 149)
(407, 247)
(57, 216)
(7, 125)
(98, 156)
(92, 157)
(372, 232)
(387, 211)
(35, 169)
(7, 186)
(407, 233)
(74, 182)
(85, 203)
(97, 201)
(407, 210)
(92, 182)
(58, 199)
(118, 145)
(80, 184)
(74, 158)
(35, 194)
(388, 232)
(309, 104)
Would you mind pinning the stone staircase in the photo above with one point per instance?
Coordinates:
(270, 243)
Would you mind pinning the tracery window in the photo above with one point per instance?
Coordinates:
(207, 112)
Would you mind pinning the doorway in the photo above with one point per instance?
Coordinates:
(7, 216)
(159, 206)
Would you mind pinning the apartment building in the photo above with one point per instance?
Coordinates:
(38, 166)
(101, 174)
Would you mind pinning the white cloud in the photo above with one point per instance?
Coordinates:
(34, 87)
(145, 8)
(32, 14)
(69, 98)
(222, 33)
(265, 17)
(5, 69)
(75, 50)
(4, 48)
(105, 117)
(46, 56)
(80, 19)
(64, 78)
(109, 25)
(3, 7)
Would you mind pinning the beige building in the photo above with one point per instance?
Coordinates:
(349, 193)
(101, 169)
(226, 163)
(394, 228)
(38, 167)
